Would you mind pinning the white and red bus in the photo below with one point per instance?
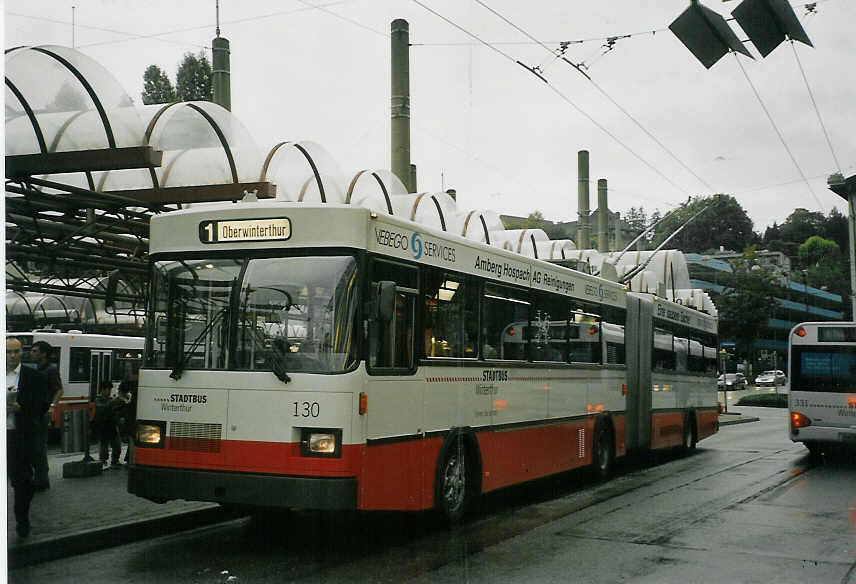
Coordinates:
(822, 378)
(331, 357)
(83, 361)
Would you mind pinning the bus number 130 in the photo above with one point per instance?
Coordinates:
(306, 409)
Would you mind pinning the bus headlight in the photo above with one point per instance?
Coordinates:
(322, 442)
(150, 434)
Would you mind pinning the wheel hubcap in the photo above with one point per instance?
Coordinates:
(454, 483)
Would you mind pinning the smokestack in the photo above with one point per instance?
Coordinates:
(221, 86)
(602, 216)
(400, 101)
(619, 242)
(583, 228)
(220, 73)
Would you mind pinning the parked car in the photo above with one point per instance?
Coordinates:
(771, 378)
(731, 382)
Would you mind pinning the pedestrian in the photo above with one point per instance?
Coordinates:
(128, 390)
(26, 404)
(106, 425)
(40, 353)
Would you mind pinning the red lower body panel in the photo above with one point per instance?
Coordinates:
(400, 475)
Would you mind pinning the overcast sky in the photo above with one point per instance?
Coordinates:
(486, 126)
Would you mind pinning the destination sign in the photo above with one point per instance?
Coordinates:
(223, 231)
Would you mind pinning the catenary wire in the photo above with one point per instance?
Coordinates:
(134, 37)
(607, 96)
(778, 132)
(816, 110)
(561, 95)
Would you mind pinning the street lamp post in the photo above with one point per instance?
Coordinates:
(846, 189)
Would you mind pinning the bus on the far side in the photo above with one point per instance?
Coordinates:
(822, 373)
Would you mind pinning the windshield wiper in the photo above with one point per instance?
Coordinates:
(185, 355)
(277, 363)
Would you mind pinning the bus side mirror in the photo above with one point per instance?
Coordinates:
(385, 300)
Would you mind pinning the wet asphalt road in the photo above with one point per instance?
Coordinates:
(747, 506)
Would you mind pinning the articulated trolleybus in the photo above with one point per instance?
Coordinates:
(822, 396)
(332, 357)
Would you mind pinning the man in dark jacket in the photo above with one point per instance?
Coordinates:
(41, 354)
(26, 404)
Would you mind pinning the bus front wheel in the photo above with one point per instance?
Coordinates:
(453, 489)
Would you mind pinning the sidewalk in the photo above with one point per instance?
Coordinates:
(77, 516)
(83, 514)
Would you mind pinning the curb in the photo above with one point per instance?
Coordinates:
(739, 419)
(86, 541)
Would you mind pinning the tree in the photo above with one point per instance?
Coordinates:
(800, 225)
(724, 223)
(824, 266)
(536, 220)
(835, 228)
(193, 79)
(69, 98)
(771, 234)
(636, 219)
(747, 302)
(157, 88)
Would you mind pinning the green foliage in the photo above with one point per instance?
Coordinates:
(193, 79)
(157, 88)
(800, 225)
(536, 220)
(724, 223)
(69, 98)
(636, 218)
(824, 264)
(747, 302)
(768, 400)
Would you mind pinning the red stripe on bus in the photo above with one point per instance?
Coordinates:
(249, 456)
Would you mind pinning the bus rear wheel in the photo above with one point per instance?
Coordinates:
(815, 450)
(689, 441)
(453, 489)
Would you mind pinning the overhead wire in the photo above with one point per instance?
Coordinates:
(101, 29)
(156, 36)
(778, 132)
(606, 95)
(344, 18)
(555, 90)
(651, 32)
(814, 104)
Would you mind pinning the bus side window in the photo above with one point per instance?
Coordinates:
(663, 355)
(506, 317)
(391, 344)
(451, 315)
(548, 329)
(78, 366)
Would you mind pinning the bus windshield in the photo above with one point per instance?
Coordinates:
(293, 314)
(823, 368)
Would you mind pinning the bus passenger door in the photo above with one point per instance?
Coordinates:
(100, 370)
(638, 335)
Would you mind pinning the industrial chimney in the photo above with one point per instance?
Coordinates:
(400, 102)
(220, 72)
(583, 228)
(602, 216)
